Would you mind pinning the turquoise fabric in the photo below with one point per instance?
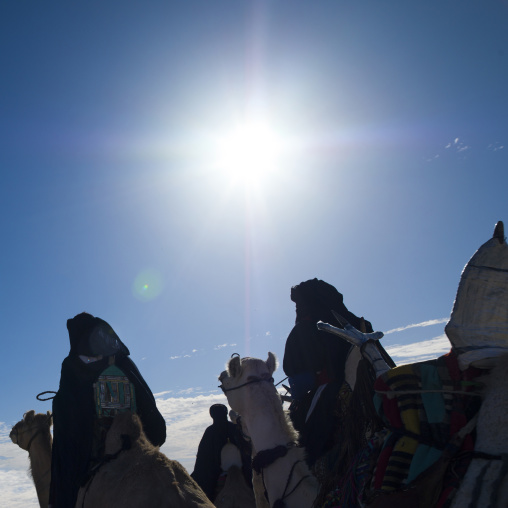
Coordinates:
(433, 402)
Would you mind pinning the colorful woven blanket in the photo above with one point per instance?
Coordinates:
(424, 405)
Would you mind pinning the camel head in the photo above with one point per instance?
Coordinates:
(244, 372)
(24, 432)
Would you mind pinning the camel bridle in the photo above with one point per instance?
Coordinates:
(39, 431)
(31, 440)
(251, 380)
(266, 458)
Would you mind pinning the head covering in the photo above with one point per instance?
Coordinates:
(315, 299)
(92, 336)
(478, 325)
(219, 412)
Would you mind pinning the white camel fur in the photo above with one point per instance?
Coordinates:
(249, 388)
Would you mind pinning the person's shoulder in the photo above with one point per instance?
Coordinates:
(303, 328)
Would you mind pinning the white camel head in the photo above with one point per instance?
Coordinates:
(241, 372)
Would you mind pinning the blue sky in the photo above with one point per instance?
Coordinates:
(391, 123)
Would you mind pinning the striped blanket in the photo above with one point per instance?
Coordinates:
(423, 405)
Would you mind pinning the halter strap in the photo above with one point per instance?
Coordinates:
(256, 380)
(32, 438)
(37, 432)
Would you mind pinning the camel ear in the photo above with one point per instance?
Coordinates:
(271, 363)
(29, 415)
(234, 366)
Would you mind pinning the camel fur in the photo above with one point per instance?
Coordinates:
(33, 434)
(248, 385)
(140, 475)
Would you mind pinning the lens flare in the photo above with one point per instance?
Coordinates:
(147, 285)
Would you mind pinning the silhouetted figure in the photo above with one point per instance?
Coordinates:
(315, 359)
(98, 379)
(207, 469)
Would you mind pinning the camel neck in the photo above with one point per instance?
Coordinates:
(267, 430)
(40, 465)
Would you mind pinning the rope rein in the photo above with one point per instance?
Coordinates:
(280, 502)
(44, 393)
(266, 458)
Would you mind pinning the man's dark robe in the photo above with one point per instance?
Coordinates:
(312, 358)
(208, 458)
(74, 415)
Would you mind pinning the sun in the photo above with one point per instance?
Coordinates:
(249, 153)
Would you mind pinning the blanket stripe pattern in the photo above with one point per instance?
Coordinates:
(423, 405)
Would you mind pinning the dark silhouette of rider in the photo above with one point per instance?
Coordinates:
(78, 430)
(314, 359)
(207, 469)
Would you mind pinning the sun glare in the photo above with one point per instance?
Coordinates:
(249, 153)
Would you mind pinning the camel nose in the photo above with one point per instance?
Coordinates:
(14, 436)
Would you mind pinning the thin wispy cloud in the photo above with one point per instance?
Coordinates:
(198, 351)
(458, 145)
(494, 147)
(222, 346)
(454, 146)
(430, 322)
(419, 351)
